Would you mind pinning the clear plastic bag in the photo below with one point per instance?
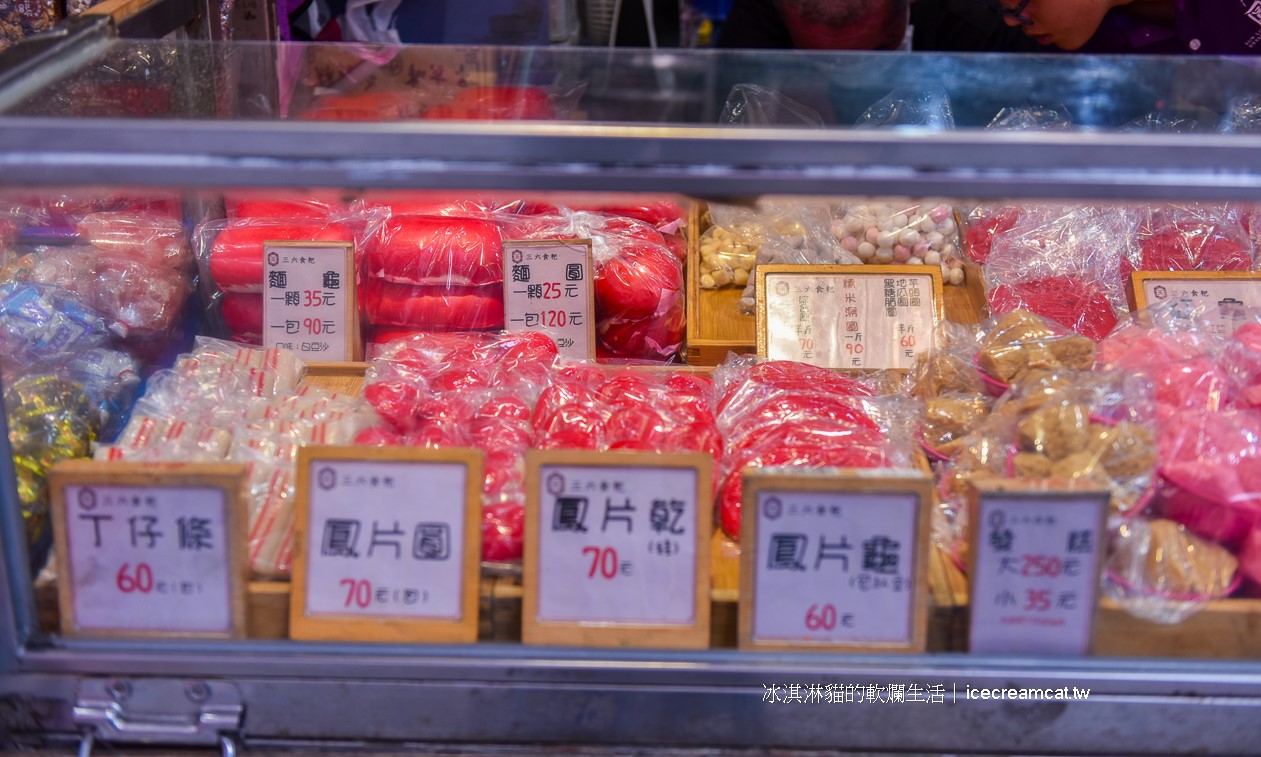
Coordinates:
(639, 306)
(785, 414)
(1063, 263)
(154, 240)
(754, 105)
(1032, 118)
(1159, 571)
(230, 252)
(901, 231)
(452, 390)
(929, 108)
(1191, 237)
(728, 248)
(795, 234)
(141, 302)
(1020, 344)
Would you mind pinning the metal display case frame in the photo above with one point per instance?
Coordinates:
(283, 693)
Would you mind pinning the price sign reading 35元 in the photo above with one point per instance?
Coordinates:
(1035, 573)
(309, 300)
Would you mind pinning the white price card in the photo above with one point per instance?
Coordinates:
(617, 549)
(150, 549)
(1035, 569)
(387, 544)
(309, 300)
(548, 287)
(834, 560)
(847, 317)
(1230, 292)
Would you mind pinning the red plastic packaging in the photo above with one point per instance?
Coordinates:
(460, 389)
(436, 251)
(781, 413)
(433, 307)
(233, 250)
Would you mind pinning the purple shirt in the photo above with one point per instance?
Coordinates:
(1208, 27)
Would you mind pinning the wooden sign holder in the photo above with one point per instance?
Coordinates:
(228, 478)
(600, 633)
(377, 628)
(848, 481)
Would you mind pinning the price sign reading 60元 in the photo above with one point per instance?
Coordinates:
(150, 550)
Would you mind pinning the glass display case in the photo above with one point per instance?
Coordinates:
(200, 125)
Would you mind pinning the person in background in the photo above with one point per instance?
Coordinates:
(1214, 27)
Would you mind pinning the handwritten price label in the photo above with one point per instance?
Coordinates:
(386, 534)
(548, 287)
(833, 561)
(309, 299)
(1035, 570)
(850, 317)
(614, 539)
(150, 551)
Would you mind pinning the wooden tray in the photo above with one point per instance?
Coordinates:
(716, 327)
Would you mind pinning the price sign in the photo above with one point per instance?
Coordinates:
(147, 549)
(617, 549)
(386, 544)
(309, 300)
(834, 560)
(1230, 292)
(548, 287)
(850, 317)
(1035, 568)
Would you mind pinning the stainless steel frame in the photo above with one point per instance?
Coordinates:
(704, 161)
(326, 693)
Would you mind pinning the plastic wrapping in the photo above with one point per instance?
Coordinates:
(1157, 570)
(1032, 118)
(638, 285)
(901, 231)
(754, 105)
(453, 390)
(230, 251)
(1192, 237)
(1063, 263)
(131, 266)
(140, 302)
(795, 234)
(1202, 380)
(1021, 345)
(1068, 427)
(151, 239)
(63, 387)
(223, 402)
(728, 248)
(786, 414)
(615, 409)
(929, 108)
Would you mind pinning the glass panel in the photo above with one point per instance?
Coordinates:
(107, 284)
(379, 83)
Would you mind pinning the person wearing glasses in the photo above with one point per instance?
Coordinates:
(1212, 27)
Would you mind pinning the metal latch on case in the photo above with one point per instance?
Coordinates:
(158, 711)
